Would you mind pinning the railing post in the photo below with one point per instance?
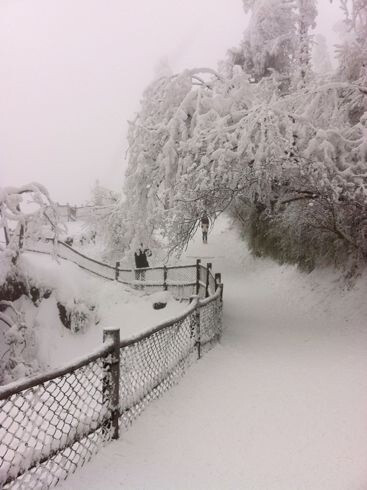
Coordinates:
(117, 270)
(198, 276)
(221, 291)
(198, 333)
(218, 279)
(208, 268)
(165, 278)
(111, 379)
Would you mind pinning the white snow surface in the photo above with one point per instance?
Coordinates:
(280, 404)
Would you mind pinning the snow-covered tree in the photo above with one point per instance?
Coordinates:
(268, 42)
(158, 157)
(102, 196)
(352, 54)
(306, 20)
(228, 142)
(287, 160)
(278, 39)
(97, 215)
(26, 213)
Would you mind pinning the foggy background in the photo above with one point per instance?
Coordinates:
(72, 72)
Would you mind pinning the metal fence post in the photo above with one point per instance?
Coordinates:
(198, 261)
(218, 279)
(111, 379)
(198, 333)
(165, 273)
(208, 268)
(117, 270)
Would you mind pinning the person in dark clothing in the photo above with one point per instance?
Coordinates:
(205, 227)
(141, 262)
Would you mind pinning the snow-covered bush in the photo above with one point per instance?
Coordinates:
(17, 354)
(26, 213)
(77, 316)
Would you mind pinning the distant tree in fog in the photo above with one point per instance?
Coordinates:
(320, 55)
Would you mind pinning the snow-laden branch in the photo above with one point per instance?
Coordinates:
(197, 71)
(20, 219)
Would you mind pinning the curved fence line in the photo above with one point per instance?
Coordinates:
(183, 280)
(53, 423)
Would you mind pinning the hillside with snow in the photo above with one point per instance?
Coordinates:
(96, 303)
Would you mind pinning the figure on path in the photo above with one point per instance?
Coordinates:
(205, 227)
(141, 262)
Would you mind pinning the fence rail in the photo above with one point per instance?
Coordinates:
(183, 280)
(73, 213)
(53, 423)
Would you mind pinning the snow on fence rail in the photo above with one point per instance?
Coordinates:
(74, 213)
(183, 280)
(53, 423)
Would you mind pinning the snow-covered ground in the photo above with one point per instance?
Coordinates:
(115, 305)
(281, 404)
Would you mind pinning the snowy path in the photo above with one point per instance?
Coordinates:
(281, 404)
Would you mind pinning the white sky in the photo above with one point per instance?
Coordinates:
(72, 72)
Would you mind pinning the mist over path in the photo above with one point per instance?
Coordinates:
(280, 404)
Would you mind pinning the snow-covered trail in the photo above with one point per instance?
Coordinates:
(281, 404)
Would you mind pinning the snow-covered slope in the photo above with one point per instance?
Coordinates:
(113, 303)
(281, 404)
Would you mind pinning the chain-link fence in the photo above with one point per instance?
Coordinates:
(152, 363)
(51, 424)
